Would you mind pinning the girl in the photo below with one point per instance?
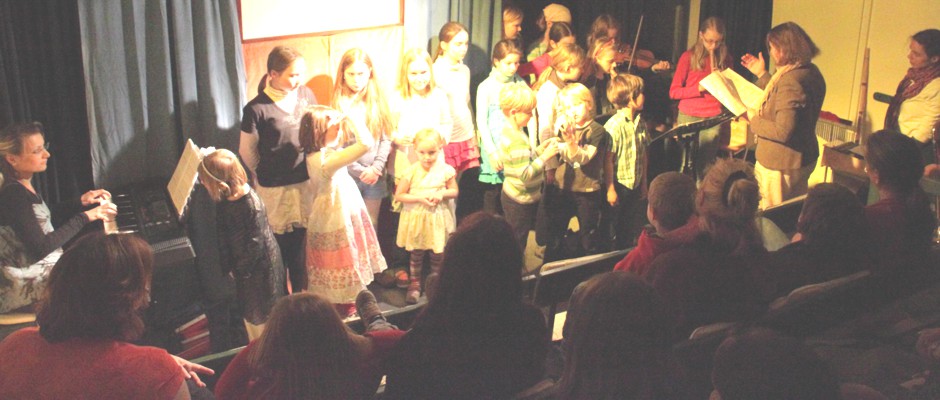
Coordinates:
(419, 104)
(512, 23)
(695, 103)
(247, 247)
(566, 67)
(427, 219)
(271, 149)
(342, 248)
(559, 34)
(605, 26)
(453, 76)
(490, 120)
(356, 93)
(579, 180)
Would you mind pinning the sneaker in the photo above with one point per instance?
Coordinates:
(401, 279)
(368, 307)
(414, 292)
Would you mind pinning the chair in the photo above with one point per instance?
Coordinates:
(810, 309)
(554, 281)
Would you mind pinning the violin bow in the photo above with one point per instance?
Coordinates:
(636, 40)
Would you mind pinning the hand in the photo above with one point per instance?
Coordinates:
(549, 149)
(612, 198)
(191, 369)
(661, 66)
(497, 164)
(756, 65)
(105, 212)
(406, 140)
(369, 176)
(932, 169)
(97, 196)
(428, 202)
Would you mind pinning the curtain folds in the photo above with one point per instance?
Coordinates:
(156, 73)
(747, 23)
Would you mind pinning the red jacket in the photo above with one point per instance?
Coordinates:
(650, 245)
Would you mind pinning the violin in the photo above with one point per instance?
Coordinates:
(639, 58)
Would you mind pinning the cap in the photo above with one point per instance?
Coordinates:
(557, 13)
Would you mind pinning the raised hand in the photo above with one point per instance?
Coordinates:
(756, 65)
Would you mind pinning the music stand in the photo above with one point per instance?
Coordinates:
(687, 134)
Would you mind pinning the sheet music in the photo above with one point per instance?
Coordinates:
(184, 177)
(733, 91)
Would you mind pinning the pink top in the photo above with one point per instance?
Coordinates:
(534, 67)
(685, 89)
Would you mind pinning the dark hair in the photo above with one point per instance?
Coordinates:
(617, 340)
(672, 198)
(793, 43)
(727, 205)
(833, 221)
(97, 289)
(930, 39)
(897, 161)
(762, 364)
(481, 274)
(306, 350)
(446, 34)
(12, 139)
(558, 31)
(504, 48)
(279, 59)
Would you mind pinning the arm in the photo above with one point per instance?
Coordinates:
(572, 152)
(681, 87)
(451, 191)
(518, 161)
(350, 154)
(609, 174)
(789, 98)
(18, 208)
(381, 155)
(402, 191)
(248, 150)
(483, 104)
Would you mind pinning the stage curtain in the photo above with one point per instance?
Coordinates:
(747, 22)
(41, 80)
(157, 73)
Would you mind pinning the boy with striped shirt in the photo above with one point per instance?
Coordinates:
(522, 162)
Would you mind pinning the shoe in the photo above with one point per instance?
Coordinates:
(368, 307)
(414, 292)
(402, 279)
(385, 278)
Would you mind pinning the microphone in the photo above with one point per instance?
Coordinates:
(882, 97)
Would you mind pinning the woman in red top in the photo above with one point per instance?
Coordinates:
(306, 351)
(695, 103)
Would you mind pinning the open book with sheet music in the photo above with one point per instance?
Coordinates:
(733, 91)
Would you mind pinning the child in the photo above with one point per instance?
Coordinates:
(356, 93)
(247, 247)
(522, 167)
(342, 249)
(490, 120)
(427, 218)
(566, 67)
(579, 183)
(628, 154)
(560, 33)
(419, 104)
(453, 76)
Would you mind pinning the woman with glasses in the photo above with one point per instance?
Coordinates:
(29, 246)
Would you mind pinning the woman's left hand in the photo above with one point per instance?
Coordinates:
(190, 370)
(96, 196)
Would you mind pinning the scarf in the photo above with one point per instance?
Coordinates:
(910, 86)
(276, 94)
(773, 82)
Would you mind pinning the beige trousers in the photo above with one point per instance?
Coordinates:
(777, 186)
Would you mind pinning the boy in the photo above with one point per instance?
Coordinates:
(522, 167)
(626, 162)
(671, 212)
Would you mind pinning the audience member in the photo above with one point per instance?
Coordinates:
(718, 277)
(306, 351)
(617, 342)
(832, 241)
(476, 338)
(915, 108)
(88, 318)
(29, 246)
(671, 212)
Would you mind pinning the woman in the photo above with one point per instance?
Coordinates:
(617, 342)
(270, 147)
(719, 276)
(476, 338)
(900, 223)
(29, 246)
(915, 108)
(695, 103)
(306, 351)
(785, 124)
(90, 314)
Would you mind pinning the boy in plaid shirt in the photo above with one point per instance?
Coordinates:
(627, 158)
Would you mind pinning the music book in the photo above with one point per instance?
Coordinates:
(733, 91)
(184, 177)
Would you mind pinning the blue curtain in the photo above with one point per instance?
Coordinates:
(158, 72)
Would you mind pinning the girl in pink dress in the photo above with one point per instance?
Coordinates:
(343, 251)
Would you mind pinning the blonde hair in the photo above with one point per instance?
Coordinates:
(564, 57)
(447, 33)
(378, 118)
(410, 56)
(623, 89)
(429, 134)
(512, 13)
(516, 96)
(699, 53)
(574, 93)
(221, 172)
(12, 140)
